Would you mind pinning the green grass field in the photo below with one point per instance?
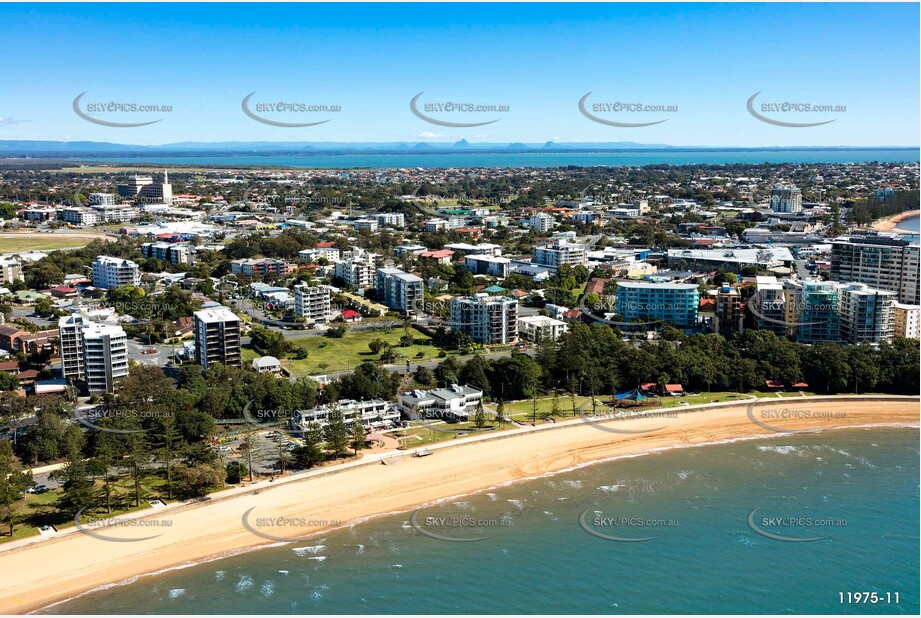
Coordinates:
(327, 355)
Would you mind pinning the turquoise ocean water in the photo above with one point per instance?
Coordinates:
(550, 549)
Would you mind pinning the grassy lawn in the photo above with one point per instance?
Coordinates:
(522, 411)
(415, 437)
(14, 243)
(326, 354)
(40, 509)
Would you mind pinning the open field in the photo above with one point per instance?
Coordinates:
(326, 354)
(14, 242)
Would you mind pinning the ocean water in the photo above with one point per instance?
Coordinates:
(859, 486)
(911, 225)
(533, 159)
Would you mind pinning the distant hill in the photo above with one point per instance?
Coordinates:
(37, 148)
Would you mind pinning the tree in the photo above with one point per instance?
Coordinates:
(195, 479)
(13, 484)
(424, 376)
(337, 435)
(8, 382)
(357, 432)
(235, 472)
(77, 486)
(311, 453)
(376, 345)
(167, 444)
(479, 417)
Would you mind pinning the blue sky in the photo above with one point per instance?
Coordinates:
(538, 59)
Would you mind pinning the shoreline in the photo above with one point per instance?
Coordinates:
(891, 224)
(49, 572)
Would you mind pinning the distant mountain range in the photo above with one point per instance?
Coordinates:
(35, 148)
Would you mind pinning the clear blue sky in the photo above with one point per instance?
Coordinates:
(539, 59)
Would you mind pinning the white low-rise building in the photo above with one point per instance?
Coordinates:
(541, 328)
(373, 414)
(457, 403)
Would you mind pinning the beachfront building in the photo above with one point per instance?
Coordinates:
(674, 303)
(818, 307)
(312, 302)
(485, 319)
(558, 253)
(456, 403)
(111, 272)
(883, 261)
(730, 311)
(373, 414)
(906, 321)
(768, 305)
(786, 198)
(92, 353)
(867, 315)
(539, 328)
(398, 290)
(217, 337)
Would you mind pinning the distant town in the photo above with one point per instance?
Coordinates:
(250, 322)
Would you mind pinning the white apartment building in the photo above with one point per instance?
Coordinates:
(93, 353)
(488, 265)
(541, 328)
(867, 315)
(10, 270)
(398, 290)
(541, 223)
(330, 253)
(312, 302)
(101, 199)
(486, 319)
(111, 272)
(906, 321)
(115, 213)
(217, 337)
(390, 219)
(883, 261)
(78, 216)
(367, 225)
(769, 305)
(437, 225)
(357, 269)
(559, 253)
(786, 198)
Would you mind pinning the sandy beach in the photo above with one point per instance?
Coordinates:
(890, 224)
(58, 569)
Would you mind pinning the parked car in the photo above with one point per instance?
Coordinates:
(37, 489)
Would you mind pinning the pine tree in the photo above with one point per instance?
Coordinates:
(358, 436)
(337, 433)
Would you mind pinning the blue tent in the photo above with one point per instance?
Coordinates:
(634, 395)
